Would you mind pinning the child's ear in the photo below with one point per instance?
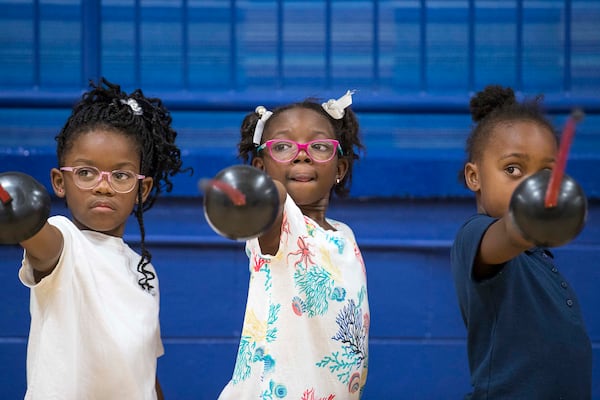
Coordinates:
(259, 163)
(58, 182)
(147, 184)
(342, 168)
(472, 176)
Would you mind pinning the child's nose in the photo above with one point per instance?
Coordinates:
(302, 155)
(104, 185)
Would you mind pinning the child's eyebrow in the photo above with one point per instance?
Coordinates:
(82, 161)
(126, 165)
(314, 132)
(120, 165)
(524, 156)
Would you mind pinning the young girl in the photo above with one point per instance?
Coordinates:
(526, 335)
(305, 333)
(94, 301)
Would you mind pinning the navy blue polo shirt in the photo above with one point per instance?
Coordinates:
(526, 338)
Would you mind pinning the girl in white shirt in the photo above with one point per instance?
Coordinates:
(94, 306)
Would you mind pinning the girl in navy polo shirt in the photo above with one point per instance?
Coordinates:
(526, 336)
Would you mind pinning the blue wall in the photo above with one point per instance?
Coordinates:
(414, 64)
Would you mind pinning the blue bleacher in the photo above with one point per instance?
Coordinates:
(414, 65)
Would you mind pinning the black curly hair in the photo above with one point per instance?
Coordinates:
(105, 106)
(346, 132)
(496, 105)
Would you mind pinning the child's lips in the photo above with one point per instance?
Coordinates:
(302, 177)
(102, 205)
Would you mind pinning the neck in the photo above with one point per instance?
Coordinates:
(316, 212)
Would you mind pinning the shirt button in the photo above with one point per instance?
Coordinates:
(554, 270)
(563, 284)
(570, 302)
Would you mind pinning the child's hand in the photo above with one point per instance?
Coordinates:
(24, 207)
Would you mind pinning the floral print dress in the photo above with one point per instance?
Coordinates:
(306, 327)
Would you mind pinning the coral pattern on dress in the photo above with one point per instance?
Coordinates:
(306, 327)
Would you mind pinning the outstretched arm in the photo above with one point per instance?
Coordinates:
(43, 250)
(500, 243)
(269, 241)
(24, 210)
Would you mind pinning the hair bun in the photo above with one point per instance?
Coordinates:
(489, 99)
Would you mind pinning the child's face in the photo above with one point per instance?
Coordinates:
(307, 182)
(100, 209)
(514, 152)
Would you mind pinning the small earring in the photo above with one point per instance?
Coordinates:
(337, 180)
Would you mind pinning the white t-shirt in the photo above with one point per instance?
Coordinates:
(306, 327)
(94, 332)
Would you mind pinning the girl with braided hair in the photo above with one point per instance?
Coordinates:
(305, 333)
(94, 306)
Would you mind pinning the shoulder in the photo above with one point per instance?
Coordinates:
(133, 256)
(342, 227)
(473, 228)
(62, 222)
(68, 229)
(290, 208)
(466, 243)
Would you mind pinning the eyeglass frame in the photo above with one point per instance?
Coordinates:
(301, 147)
(101, 175)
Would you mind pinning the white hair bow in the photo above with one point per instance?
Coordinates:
(135, 107)
(336, 108)
(260, 124)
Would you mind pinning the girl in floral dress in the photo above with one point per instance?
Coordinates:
(306, 327)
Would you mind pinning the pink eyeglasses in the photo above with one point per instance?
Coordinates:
(319, 150)
(121, 180)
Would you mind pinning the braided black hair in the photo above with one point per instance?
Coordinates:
(496, 105)
(346, 132)
(105, 106)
